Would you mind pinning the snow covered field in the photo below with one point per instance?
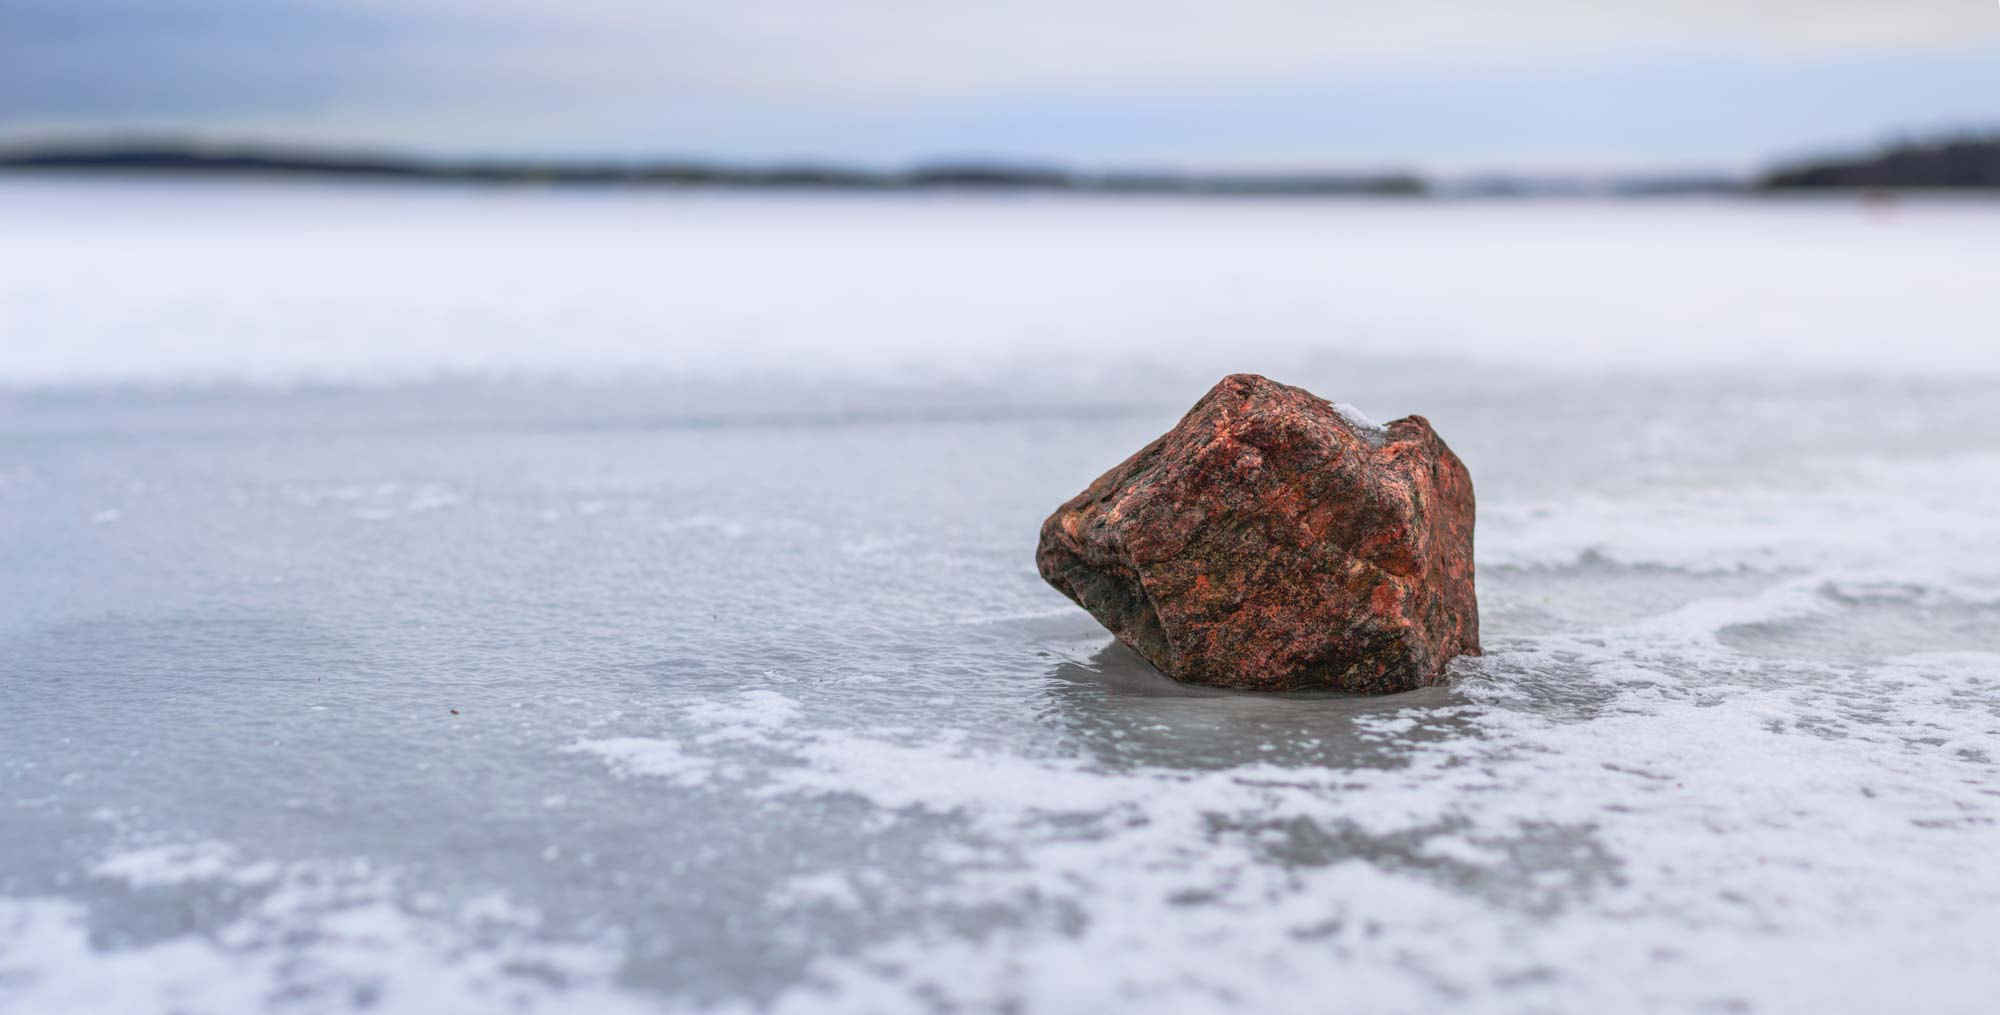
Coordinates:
(450, 600)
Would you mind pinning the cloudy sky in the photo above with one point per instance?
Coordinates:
(1452, 86)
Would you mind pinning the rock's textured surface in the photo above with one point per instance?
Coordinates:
(1270, 541)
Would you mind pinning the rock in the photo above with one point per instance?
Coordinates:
(1271, 541)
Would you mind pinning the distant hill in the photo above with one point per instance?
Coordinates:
(190, 159)
(1959, 162)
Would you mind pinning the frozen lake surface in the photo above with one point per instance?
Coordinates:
(462, 601)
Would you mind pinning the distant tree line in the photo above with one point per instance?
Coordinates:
(970, 175)
(1957, 162)
(1966, 161)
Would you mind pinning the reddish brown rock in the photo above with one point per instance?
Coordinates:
(1269, 543)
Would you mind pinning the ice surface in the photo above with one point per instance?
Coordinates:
(276, 282)
(712, 685)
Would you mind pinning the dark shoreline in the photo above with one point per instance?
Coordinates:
(1951, 164)
(189, 160)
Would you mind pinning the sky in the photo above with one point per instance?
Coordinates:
(1539, 85)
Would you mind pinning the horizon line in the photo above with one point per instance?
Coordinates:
(167, 153)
